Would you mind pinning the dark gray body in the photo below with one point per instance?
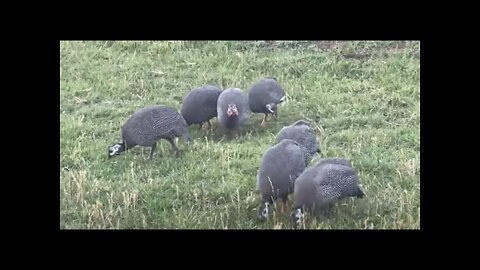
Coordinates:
(263, 92)
(148, 125)
(232, 96)
(328, 181)
(200, 104)
(304, 134)
(279, 168)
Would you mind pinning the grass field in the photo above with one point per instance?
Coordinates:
(363, 97)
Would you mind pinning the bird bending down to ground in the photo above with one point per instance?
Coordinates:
(320, 186)
(279, 168)
(200, 105)
(148, 125)
(264, 96)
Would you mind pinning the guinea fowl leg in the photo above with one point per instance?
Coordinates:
(152, 150)
(175, 148)
(264, 121)
(330, 210)
(209, 126)
(232, 134)
(284, 205)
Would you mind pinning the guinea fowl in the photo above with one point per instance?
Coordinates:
(304, 134)
(320, 186)
(200, 105)
(279, 168)
(232, 109)
(148, 125)
(264, 96)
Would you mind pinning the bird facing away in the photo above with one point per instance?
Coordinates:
(304, 134)
(264, 96)
(280, 166)
(232, 109)
(148, 125)
(200, 105)
(320, 186)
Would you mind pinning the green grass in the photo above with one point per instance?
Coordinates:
(363, 97)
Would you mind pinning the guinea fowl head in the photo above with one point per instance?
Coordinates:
(263, 211)
(297, 217)
(232, 110)
(272, 108)
(115, 149)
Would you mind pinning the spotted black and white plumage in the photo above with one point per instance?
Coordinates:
(264, 96)
(200, 105)
(304, 134)
(148, 125)
(321, 185)
(232, 109)
(279, 168)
